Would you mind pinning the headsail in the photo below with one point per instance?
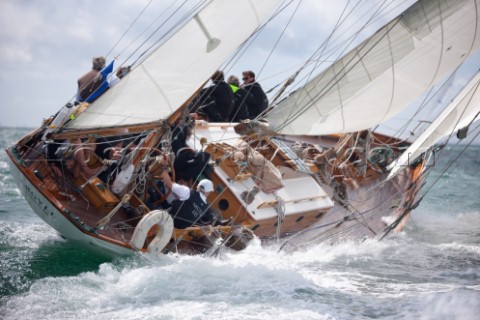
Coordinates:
(166, 79)
(385, 73)
(461, 112)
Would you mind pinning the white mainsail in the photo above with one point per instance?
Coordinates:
(385, 73)
(169, 77)
(460, 113)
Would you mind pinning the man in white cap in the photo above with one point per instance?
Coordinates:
(191, 206)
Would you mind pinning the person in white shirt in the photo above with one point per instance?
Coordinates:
(190, 206)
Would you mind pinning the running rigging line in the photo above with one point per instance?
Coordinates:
(128, 29)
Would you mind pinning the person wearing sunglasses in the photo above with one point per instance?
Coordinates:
(260, 101)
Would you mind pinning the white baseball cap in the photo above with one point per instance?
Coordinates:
(205, 185)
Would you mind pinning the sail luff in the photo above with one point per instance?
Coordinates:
(385, 73)
(171, 74)
(460, 112)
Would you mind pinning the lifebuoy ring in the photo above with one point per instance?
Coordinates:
(158, 218)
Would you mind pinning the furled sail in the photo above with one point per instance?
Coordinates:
(460, 113)
(385, 73)
(169, 77)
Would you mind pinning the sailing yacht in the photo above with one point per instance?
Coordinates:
(311, 168)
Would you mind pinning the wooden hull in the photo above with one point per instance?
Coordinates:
(299, 208)
(76, 221)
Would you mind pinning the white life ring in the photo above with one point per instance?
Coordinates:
(156, 217)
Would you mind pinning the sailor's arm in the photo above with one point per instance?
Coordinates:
(181, 192)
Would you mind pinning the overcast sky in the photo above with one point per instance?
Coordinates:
(46, 45)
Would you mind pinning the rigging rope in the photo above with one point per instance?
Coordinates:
(295, 113)
(379, 212)
(189, 13)
(280, 209)
(128, 29)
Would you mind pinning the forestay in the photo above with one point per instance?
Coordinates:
(460, 113)
(385, 73)
(169, 77)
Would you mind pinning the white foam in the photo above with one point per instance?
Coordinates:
(27, 235)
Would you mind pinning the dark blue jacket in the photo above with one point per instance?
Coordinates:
(191, 211)
(260, 100)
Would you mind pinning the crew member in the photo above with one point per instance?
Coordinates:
(92, 84)
(260, 100)
(191, 206)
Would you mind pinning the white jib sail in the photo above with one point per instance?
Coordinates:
(385, 73)
(460, 112)
(167, 78)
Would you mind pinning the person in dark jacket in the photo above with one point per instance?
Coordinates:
(189, 163)
(217, 101)
(190, 206)
(242, 100)
(260, 100)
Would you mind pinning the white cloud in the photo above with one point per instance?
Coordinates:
(15, 54)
